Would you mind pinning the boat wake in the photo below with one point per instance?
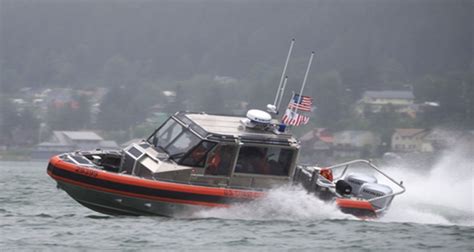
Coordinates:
(443, 195)
(284, 203)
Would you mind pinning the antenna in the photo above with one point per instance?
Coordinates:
(281, 95)
(272, 107)
(300, 97)
(304, 80)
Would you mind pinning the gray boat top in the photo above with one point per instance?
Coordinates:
(230, 128)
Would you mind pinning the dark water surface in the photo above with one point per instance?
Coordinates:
(36, 216)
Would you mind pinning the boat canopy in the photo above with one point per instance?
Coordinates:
(230, 128)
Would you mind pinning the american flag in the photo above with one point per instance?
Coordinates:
(304, 104)
(292, 118)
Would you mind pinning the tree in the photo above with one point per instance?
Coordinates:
(26, 131)
(453, 92)
(69, 115)
(118, 71)
(125, 107)
(8, 120)
(19, 126)
(391, 74)
(330, 99)
(384, 124)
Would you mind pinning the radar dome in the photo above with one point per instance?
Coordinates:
(259, 116)
(257, 119)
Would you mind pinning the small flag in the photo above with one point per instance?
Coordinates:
(304, 104)
(292, 118)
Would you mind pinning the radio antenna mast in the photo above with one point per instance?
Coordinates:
(272, 108)
(304, 80)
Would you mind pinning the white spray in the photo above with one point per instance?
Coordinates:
(285, 203)
(442, 195)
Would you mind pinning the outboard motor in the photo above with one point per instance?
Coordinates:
(343, 188)
(356, 180)
(372, 190)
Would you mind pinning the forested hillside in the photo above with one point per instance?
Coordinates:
(147, 46)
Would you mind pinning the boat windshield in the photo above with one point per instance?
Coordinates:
(174, 139)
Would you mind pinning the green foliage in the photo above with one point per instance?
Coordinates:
(331, 99)
(390, 74)
(118, 71)
(369, 44)
(18, 126)
(70, 115)
(454, 92)
(137, 57)
(124, 107)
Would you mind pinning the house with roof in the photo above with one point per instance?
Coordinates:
(316, 145)
(375, 101)
(66, 141)
(410, 140)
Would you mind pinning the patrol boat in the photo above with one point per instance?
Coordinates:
(198, 160)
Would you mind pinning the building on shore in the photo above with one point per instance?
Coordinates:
(410, 140)
(402, 102)
(66, 141)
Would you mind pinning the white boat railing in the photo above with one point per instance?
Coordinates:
(367, 163)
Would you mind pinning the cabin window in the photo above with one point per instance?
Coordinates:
(182, 144)
(167, 133)
(264, 160)
(220, 160)
(174, 139)
(197, 156)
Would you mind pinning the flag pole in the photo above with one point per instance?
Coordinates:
(283, 73)
(304, 80)
(290, 126)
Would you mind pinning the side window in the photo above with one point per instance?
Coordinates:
(220, 160)
(282, 162)
(197, 156)
(252, 160)
(264, 160)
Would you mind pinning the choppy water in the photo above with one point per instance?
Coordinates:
(436, 213)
